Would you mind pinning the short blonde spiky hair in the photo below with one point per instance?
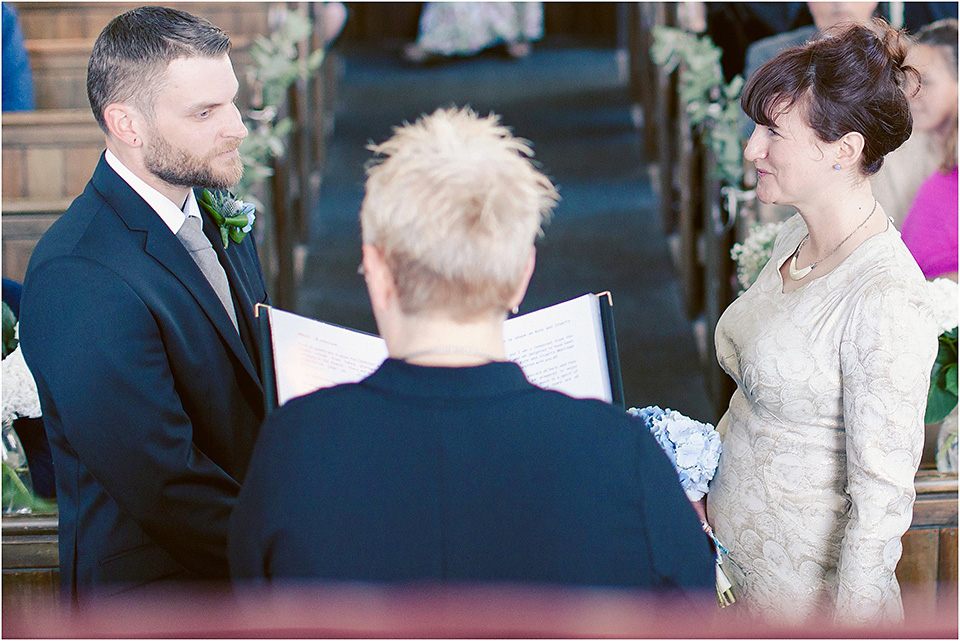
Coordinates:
(455, 206)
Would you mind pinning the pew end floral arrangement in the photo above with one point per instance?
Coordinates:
(942, 398)
(20, 399)
(694, 450)
(754, 252)
(712, 105)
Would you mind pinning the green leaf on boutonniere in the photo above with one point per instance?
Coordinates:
(234, 217)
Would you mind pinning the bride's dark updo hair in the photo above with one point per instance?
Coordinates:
(853, 78)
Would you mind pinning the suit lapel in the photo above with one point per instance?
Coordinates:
(243, 299)
(167, 249)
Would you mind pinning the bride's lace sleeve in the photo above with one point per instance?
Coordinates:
(886, 356)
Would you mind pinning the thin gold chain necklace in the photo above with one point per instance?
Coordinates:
(800, 274)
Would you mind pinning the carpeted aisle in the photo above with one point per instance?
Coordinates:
(606, 234)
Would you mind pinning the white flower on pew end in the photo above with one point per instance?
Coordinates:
(19, 389)
(692, 447)
(943, 291)
(754, 252)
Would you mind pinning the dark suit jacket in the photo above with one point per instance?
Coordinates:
(463, 474)
(151, 399)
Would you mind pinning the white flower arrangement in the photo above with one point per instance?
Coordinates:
(942, 398)
(754, 252)
(943, 291)
(19, 389)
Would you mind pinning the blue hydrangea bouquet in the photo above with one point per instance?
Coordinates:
(694, 450)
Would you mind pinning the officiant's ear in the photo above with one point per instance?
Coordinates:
(124, 124)
(524, 280)
(380, 283)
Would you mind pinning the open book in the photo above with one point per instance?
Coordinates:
(570, 347)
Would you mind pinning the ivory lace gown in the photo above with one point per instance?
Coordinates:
(825, 430)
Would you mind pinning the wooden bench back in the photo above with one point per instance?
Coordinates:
(59, 37)
(72, 20)
(48, 157)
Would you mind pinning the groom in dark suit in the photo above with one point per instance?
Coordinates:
(140, 336)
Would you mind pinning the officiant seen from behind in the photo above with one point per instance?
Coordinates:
(446, 464)
(831, 347)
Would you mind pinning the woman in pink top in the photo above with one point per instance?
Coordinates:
(930, 228)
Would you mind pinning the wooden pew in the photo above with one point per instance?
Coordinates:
(31, 561)
(48, 157)
(68, 20)
(928, 567)
(715, 236)
(60, 35)
(927, 570)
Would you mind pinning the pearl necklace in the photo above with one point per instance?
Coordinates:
(800, 274)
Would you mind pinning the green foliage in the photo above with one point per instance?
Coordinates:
(712, 106)
(9, 325)
(943, 379)
(276, 67)
(18, 496)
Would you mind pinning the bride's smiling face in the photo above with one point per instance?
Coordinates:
(790, 159)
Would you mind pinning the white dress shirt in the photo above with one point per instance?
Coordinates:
(169, 212)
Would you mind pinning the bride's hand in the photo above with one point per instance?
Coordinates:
(700, 507)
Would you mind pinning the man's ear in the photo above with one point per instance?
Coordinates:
(850, 149)
(524, 280)
(380, 283)
(124, 123)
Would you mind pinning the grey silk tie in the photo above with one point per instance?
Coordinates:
(192, 236)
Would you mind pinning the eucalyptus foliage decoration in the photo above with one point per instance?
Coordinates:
(712, 105)
(276, 67)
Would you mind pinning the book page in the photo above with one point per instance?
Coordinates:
(561, 348)
(310, 354)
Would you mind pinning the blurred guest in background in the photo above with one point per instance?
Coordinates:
(17, 80)
(930, 228)
(831, 348)
(446, 464)
(465, 28)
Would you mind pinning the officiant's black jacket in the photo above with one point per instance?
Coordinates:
(150, 397)
(463, 474)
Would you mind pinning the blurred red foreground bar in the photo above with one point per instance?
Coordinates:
(324, 610)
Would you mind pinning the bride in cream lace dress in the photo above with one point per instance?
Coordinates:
(824, 433)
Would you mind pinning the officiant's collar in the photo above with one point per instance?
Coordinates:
(490, 379)
(169, 212)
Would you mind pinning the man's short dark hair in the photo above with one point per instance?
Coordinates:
(133, 51)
